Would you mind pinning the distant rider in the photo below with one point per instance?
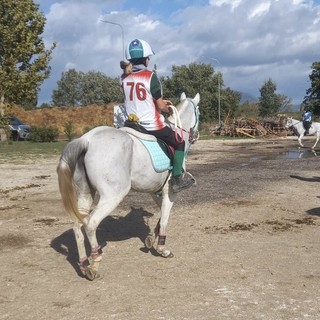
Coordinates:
(307, 120)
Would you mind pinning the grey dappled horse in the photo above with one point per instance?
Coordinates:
(109, 162)
(300, 130)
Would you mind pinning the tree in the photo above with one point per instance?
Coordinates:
(201, 78)
(312, 99)
(99, 89)
(69, 89)
(269, 102)
(24, 61)
(79, 88)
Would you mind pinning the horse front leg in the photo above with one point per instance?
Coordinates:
(166, 206)
(300, 138)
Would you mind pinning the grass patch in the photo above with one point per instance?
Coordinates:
(20, 151)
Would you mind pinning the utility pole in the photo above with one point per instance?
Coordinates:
(122, 33)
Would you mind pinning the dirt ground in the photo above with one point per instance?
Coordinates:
(246, 242)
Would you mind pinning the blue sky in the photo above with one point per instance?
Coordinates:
(249, 41)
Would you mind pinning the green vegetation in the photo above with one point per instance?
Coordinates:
(202, 78)
(24, 65)
(312, 99)
(22, 151)
(24, 62)
(270, 103)
(79, 88)
(69, 130)
(44, 134)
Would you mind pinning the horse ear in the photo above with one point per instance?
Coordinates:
(197, 98)
(183, 96)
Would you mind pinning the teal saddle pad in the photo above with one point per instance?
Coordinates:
(161, 162)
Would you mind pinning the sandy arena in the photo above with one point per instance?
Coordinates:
(246, 242)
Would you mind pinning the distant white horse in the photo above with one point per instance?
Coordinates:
(300, 130)
(109, 162)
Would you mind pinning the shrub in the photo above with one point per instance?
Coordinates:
(43, 134)
(69, 130)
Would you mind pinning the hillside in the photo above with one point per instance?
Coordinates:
(80, 117)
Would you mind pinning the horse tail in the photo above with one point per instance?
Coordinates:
(73, 151)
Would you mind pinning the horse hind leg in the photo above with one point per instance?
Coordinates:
(103, 208)
(84, 203)
(79, 236)
(165, 203)
(152, 236)
(317, 140)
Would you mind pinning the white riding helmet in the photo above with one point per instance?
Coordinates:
(138, 49)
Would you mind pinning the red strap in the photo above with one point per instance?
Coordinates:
(179, 138)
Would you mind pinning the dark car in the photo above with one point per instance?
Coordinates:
(19, 130)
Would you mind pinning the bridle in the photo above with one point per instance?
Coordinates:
(194, 131)
(292, 124)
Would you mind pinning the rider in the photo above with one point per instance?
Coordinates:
(144, 104)
(307, 120)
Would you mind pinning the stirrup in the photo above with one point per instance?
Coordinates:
(180, 183)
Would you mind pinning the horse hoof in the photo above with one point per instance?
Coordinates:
(91, 274)
(149, 242)
(165, 253)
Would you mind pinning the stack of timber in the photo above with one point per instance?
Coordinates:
(252, 128)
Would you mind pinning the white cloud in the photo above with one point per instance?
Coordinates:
(259, 9)
(232, 3)
(253, 41)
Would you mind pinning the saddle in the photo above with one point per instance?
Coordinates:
(160, 152)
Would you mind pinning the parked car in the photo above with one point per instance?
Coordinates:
(19, 130)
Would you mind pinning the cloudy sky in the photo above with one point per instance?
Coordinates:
(249, 41)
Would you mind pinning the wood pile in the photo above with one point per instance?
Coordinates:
(252, 128)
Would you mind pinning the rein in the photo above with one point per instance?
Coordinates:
(177, 124)
(295, 124)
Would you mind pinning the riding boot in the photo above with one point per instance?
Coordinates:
(178, 180)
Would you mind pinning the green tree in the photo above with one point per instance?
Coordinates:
(97, 88)
(79, 88)
(230, 102)
(202, 78)
(270, 102)
(24, 61)
(69, 89)
(312, 99)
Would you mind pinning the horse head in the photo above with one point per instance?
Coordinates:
(289, 123)
(188, 111)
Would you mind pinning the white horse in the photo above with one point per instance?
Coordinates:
(300, 130)
(107, 162)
